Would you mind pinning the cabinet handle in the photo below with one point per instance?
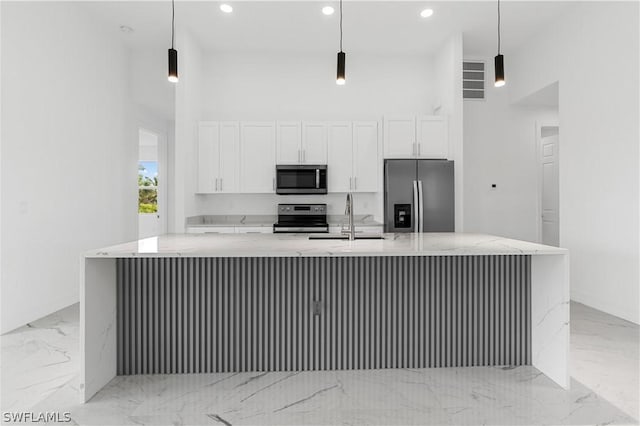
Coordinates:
(413, 148)
(216, 185)
(355, 183)
(418, 149)
(274, 183)
(350, 183)
(304, 155)
(221, 184)
(299, 157)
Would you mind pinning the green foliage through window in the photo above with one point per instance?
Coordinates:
(147, 187)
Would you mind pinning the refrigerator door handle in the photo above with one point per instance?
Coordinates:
(416, 203)
(421, 206)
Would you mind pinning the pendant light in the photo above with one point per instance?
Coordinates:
(340, 77)
(499, 59)
(173, 53)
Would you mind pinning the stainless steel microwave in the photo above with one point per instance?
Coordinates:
(301, 179)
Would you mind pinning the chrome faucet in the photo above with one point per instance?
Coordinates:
(348, 211)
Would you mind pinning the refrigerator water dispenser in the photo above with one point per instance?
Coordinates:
(402, 215)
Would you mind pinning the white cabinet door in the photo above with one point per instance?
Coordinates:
(257, 157)
(433, 137)
(229, 136)
(340, 157)
(399, 137)
(366, 163)
(208, 161)
(288, 136)
(211, 230)
(314, 142)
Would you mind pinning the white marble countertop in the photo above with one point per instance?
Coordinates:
(298, 245)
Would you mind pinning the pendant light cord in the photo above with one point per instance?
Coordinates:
(341, 25)
(173, 21)
(498, 27)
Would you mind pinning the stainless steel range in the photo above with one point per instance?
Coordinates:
(301, 218)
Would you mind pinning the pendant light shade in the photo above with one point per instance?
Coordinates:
(499, 59)
(499, 64)
(173, 65)
(340, 77)
(173, 53)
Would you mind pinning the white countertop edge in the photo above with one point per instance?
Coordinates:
(293, 245)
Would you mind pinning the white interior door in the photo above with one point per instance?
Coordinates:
(550, 191)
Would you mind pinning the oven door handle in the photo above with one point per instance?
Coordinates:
(317, 178)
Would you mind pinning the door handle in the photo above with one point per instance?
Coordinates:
(420, 206)
(416, 213)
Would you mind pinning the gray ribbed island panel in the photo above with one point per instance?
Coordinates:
(194, 315)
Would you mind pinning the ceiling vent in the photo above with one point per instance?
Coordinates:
(473, 80)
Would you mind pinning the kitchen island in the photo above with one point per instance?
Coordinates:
(280, 302)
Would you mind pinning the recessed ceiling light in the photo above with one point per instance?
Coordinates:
(126, 29)
(426, 13)
(226, 8)
(327, 10)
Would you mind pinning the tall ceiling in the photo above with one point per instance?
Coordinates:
(386, 27)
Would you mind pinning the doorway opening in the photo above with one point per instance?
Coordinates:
(150, 185)
(548, 136)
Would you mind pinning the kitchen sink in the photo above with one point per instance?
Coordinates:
(345, 237)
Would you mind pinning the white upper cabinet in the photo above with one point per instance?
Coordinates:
(411, 137)
(432, 136)
(208, 157)
(399, 137)
(258, 157)
(314, 142)
(340, 153)
(366, 161)
(229, 157)
(218, 157)
(354, 163)
(301, 143)
(289, 138)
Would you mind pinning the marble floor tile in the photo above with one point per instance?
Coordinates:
(42, 365)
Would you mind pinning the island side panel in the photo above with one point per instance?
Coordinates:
(550, 316)
(98, 349)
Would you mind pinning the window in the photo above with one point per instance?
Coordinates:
(147, 187)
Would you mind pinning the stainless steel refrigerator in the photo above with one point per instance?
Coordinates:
(419, 196)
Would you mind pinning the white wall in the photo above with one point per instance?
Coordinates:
(259, 86)
(593, 53)
(500, 148)
(69, 153)
(448, 95)
(188, 111)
